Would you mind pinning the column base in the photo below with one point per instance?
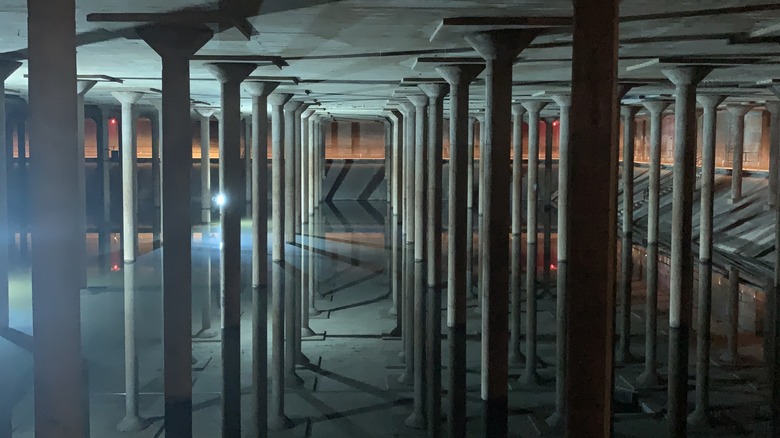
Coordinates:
(313, 311)
(279, 422)
(530, 381)
(207, 333)
(516, 359)
(393, 310)
(732, 201)
(406, 379)
(293, 380)
(302, 359)
(556, 421)
(132, 423)
(699, 420)
(626, 358)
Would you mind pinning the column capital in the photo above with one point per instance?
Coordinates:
(739, 109)
(655, 107)
(460, 74)
(83, 86)
(292, 106)
(502, 43)
(231, 72)
(175, 40)
(709, 102)
(480, 118)
(518, 109)
(7, 68)
(629, 111)
(534, 107)
(127, 97)
(407, 106)
(773, 107)
(279, 99)
(260, 88)
(418, 100)
(308, 113)
(562, 100)
(688, 75)
(303, 107)
(206, 113)
(434, 91)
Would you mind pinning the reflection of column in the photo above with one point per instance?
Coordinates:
(649, 376)
(700, 416)
(276, 418)
(6, 69)
(531, 378)
(175, 45)
(557, 418)
(82, 87)
(685, 80)
(516, 357)
(623, 354)
(731, 355)
(205, 164)
(230, 76)
(459, 77)
(480, 196)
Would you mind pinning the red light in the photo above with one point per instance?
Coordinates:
(556, 123)
(115, 268)
(553, 267)
(112, 121)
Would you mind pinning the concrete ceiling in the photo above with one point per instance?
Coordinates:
(351, 55)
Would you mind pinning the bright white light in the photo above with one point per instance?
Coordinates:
(220, 200)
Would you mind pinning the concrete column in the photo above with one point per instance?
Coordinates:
(395, 282)
(700, 416)
(685, 80)
(132, 421)
(105, 187)
(480, 209)
(305, 160)
(459, 77)
(306, 250)
(7, 68)
(773, 307)
(277, 419)
(470, 213)
(82, 88)
(531, 378)
(499, 49)
(24, 185)
(258, 151)
(247, 122)
(175, 45)
(547, 209)
(230, 76)
(623, 354)
(409, 316)
(737, 115)
(205, 164)
(154, 121)
(731, 355)
(397, 166)
(773, 108)
(417, 419)
(57, 360)
(289, 171)
(313, 232)
(436, 94)
(556, 420)
(649, 377)
(516, 357)
(298, 166)
(590, 265)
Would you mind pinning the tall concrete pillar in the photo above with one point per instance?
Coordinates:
(516, 357)
(82, 88)
(590, 266)
(700, 416)
(685, 80)
(6, 69)
(397, 165)
(247, 122)
(499, 48)
(258, 151)
(436, 94)
(531, 378)
(649, 376)
(395, 282)
(623, 354)
(300, 358)
(417, 419)
(104, 238)
(470, 211)
(131, 421)
(23, 182)
(773, 108)
(547, 213)
(205, 164)
(480, 208)
(289, 171)
(773, 307)
(175, 45)
(306, 249)
(737, 115)
(459, 77)
(731, 355)
(298, 167)
(306, 158)
(557, 419)
(409, 316)
(157, 172)
(277, 419)
(57, 360)
(230, 76)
